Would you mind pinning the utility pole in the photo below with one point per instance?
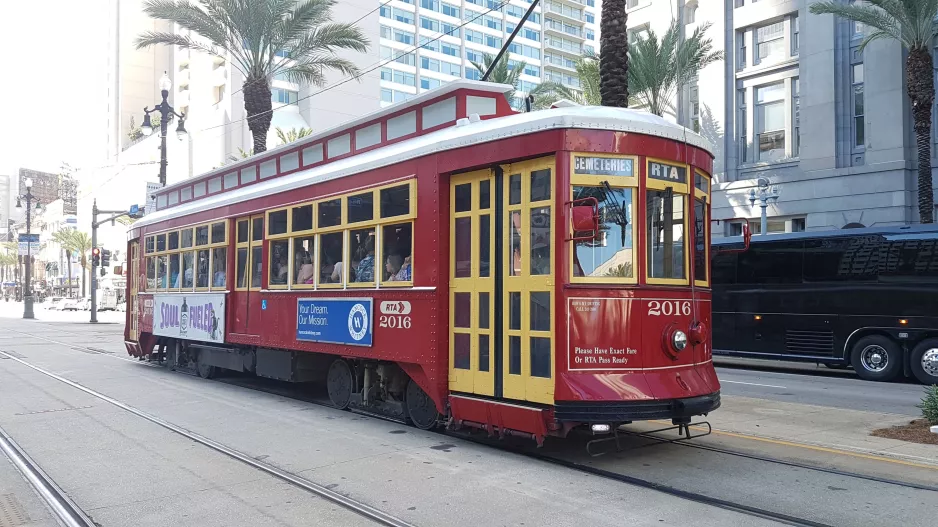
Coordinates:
(133, 212)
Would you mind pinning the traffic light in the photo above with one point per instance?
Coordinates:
(105, 257)
(95, 257)
(103, 272)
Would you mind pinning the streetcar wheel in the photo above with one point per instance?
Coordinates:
(876, 358)
(420, 407)
(206, 371)
(925, 361)
(340, 384)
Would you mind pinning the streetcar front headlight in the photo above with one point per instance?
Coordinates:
(679, 340)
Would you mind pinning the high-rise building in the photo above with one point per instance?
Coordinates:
(793, 104)
(5, 206)
(430, 42)
(48, 187)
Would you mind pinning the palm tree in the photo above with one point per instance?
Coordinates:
(80, 243)
(614, 54)
(911, 22)
(587, 71)
(63, 237)
(658, 68)
(502, 74)
(263, 38)
(292, 134)
(7, 262)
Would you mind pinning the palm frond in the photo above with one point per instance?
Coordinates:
(911, 22)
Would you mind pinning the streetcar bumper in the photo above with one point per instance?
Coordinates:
(626, 411)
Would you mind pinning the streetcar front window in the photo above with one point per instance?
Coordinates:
(610, 254)
(665, 237)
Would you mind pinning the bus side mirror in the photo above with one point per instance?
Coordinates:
(584, 217)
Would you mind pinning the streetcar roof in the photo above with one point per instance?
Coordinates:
(462, 134)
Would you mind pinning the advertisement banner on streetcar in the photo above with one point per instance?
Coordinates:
(194, 317)
(335, 320)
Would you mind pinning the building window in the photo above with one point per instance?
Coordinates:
(590, 18)
(858, 113)
(770, 121)
(429, 23)
(450, 10)
(428, 84)
(638, 33)
(403, 16)
(473, 36)
(404, 78)
(795, 117)
(631, 3)
(770, 43)
(386, 74)
(798, 224)
(590, 35)
(795, 30)
(740, 50)
(856, 27)
(219, 93)
(281, 96)
(404, 37)
(741, 125)
(451, 50)
(534, 71)
(386, 95)
(473, 74)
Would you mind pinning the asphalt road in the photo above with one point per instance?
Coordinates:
(817, 385)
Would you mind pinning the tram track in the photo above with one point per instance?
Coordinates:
(291, 391)
(375, 515)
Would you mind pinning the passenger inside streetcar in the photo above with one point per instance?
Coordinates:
(305, 272)
(366, 267)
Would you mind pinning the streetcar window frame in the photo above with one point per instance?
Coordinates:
(187, 243)
(702, 185)
(678, 189)
(615, 182)
(377, 226)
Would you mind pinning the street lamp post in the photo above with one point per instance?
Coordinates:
(764, 196)
(165, 111)
(28, 286)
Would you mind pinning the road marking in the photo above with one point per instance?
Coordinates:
(754, 384)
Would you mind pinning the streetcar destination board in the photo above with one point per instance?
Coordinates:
(665, 172)
(604, 166)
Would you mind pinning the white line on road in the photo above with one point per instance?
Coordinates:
(754, 384)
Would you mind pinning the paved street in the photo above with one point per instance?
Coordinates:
(124, 470)
(816, 385)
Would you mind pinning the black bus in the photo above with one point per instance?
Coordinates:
(866, 298)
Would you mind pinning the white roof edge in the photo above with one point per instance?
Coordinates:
(445, 89)
(577, 117)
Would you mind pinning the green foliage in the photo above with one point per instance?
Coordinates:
(291, 135)
(136, 132)
(502, 74)
(929, 405)
(911, 22)
(623, 270)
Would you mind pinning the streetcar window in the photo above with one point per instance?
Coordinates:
(700, 239)
(514, 355)
(540, 357)
(330, 213)
(540, 311)
(173, 241)
(161, 275)
(187, 267)
(462, 243)
(256, 265)
(462, 310)
(160, 242)
(202, 268)
(302, 218)
(242, 267)
(609, 254)
(665, 235)
(540, 241)
(483, 310)
(515, 226)
(243, 231)
(463, 197)
(185, 238)
(277, 223)
(175, 280)
(149, 244)
(483, 353)
(461, 351)
(395, 201)
(514, 189)
(540, 185)
(485, 242)
(201, 235)
(362, 256)
(397, 246)
(218, 232)
(484, 194)
(279, 262)
(151, 273)
(257, 229)
(361, 207)
(331, 249)
(219, 266)
(304, 251)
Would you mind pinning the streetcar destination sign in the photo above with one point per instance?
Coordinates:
(665, 172)
(604, 166)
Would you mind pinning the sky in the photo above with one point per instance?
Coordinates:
(53, 100)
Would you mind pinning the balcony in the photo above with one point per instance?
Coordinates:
(575, 15)
(564, 46)
(562, 29)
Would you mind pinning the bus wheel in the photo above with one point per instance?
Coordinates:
(420, 407)
(876, 358)
(340, 384)
(925, 361)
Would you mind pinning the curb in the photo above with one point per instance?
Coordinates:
(934, 429)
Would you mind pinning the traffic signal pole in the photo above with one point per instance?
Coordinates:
(94, 244)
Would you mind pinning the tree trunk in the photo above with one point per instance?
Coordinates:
(84, 263)
(258, 105)
(68, 259)
(614, 54)
(921, 86)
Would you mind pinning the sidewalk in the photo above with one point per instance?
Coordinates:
(824, 427)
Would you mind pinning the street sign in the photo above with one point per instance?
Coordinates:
(134, 209)
(151, 197)
(29, 242)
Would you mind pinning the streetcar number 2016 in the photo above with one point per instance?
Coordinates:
(668, 307)
(394, 321)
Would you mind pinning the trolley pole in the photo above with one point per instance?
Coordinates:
(94, 244)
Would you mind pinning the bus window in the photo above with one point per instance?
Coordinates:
(775, 262)
(219, 266)
(665, 235)
(853, 258)
(609, 255)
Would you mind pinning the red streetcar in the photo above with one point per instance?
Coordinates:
(447, 260)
